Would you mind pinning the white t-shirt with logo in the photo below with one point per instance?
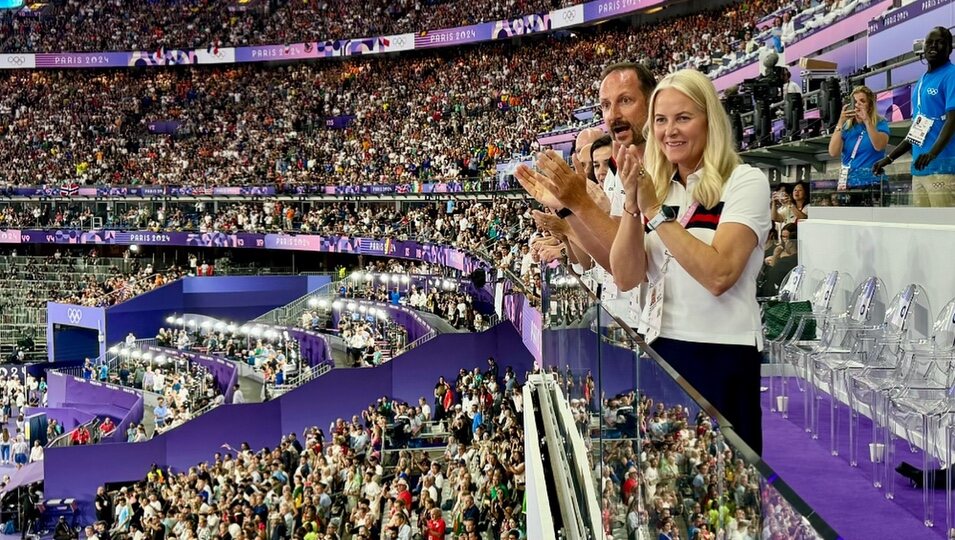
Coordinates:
(690, 312)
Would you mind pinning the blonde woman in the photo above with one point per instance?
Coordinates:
(694, 225)
(859, 140)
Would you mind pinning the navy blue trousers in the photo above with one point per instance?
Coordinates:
(727, 376)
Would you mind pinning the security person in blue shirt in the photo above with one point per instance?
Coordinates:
(933, 124)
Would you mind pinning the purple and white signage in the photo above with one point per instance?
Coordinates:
(892, 34)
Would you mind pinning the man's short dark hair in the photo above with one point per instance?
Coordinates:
(647, 81)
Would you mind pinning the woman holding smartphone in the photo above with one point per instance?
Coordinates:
(860, 139)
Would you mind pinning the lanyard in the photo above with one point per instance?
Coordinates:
(855, 150)
(918, 95)
(689, 213)
(683, 221)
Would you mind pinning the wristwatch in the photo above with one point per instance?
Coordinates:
(564, 212)
(666, 213)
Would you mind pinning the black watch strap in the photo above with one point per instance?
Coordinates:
(564, 212)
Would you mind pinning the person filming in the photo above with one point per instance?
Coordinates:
(859, 139)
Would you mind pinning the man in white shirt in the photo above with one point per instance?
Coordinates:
(238, 397)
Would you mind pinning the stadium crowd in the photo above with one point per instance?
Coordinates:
(440, 114)
(365, 478)
(175, 24)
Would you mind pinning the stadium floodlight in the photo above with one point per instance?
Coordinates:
(356, 276)
(137, 354)
(170, 320)
(220, 326)
(232, 328)
(312, 302)
(405, 280)
(161, 359)
(114, 350)
(179, 321)
(192, 322)
(336, 305)
(382, 314)
(323, 303)
(369, 277)
(124, 352)
(384, 278)
(206, 325)
(351, 306)
(362, 309)
(147, 355)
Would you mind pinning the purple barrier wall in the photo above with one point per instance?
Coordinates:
(76, 471)
(241, 298)
(67, 417)
(527, 320)
(55, 388)
(314, 348)
(145, 314)
(892, 34)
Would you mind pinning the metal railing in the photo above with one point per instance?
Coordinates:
(307, 375)
(286, 314)
(64, 439)
(416, 343)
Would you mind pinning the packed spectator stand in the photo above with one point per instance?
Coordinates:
(393, 467)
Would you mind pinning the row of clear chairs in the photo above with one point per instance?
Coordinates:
(888, 361)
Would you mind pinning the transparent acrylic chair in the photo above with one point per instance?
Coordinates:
(830, 296)
(883, 369)
(789, 291)
(920, 408)
(846, 338)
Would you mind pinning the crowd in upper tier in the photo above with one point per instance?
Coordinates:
(97, 25)
(447, 114)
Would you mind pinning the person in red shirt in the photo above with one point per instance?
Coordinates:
(436, 526)
(80, 435)
(107, 426)
(630, 485)
(403, 493)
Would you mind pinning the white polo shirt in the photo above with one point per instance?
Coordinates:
(690, 312)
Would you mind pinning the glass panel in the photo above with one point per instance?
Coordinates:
(660, 460)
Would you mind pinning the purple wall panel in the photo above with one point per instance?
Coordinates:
(312, 346)
(340, 393)
(897, 39)
(196, 441)
(241, 298)
(416, 372)
(145, 314)
(76, 471)
(55, 388)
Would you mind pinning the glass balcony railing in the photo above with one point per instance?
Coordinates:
(662, 459)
